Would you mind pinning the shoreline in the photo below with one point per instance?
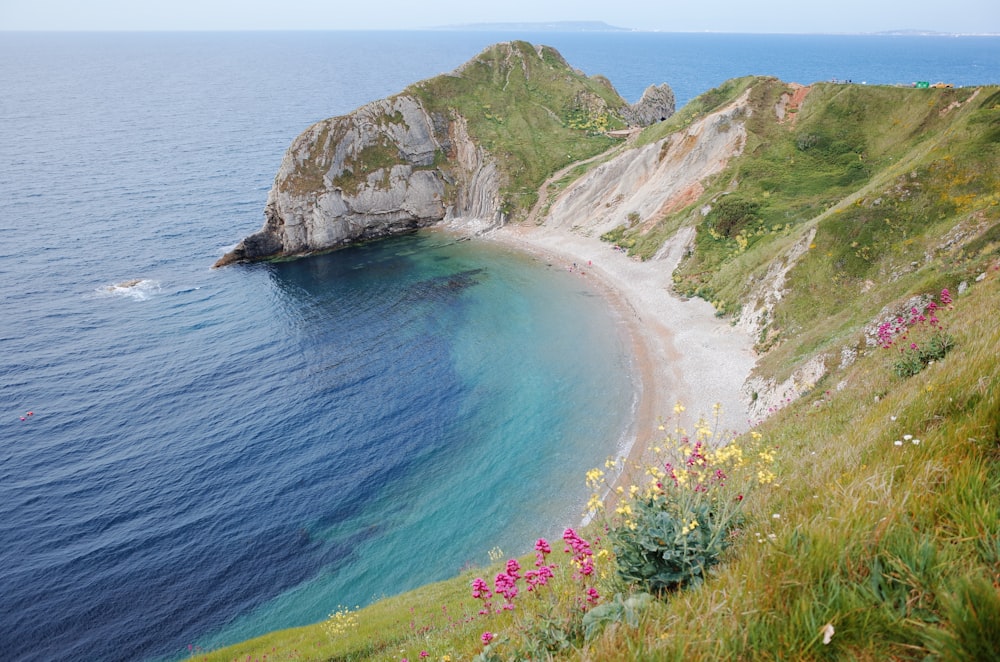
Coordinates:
(682, 353)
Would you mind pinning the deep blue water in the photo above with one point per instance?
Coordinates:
(213, 454)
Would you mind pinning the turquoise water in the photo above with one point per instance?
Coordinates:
(507, 348)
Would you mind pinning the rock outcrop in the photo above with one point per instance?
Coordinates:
(370, 174)
(418, 158)
(657, 104)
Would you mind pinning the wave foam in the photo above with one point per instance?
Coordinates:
(139, 289)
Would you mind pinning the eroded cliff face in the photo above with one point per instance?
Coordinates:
(386, 168)
(642, 185)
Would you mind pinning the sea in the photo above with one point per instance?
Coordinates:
(190, 457)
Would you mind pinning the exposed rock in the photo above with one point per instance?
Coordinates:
(657, 104)
(769, 290)
(647, 182)
(367, 175)
(766, 396)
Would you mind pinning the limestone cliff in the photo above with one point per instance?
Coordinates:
(468, 147)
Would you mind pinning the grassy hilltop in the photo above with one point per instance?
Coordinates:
(860, 521)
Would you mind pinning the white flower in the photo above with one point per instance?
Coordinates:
(907, 437)
(897, 443)
(916, 441)
(776, 516)
(827, 631)
(892, 418)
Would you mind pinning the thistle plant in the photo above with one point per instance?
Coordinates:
(668, 532)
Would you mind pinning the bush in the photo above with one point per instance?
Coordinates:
(733, 213)
(667, 534)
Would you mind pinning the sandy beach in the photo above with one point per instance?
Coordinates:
(682, 352)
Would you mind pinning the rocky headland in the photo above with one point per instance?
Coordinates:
(441, 150)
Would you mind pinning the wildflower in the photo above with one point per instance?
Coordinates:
(506, 585)
(915, 442)
(487, 638)
(542, 546)
(898, 442)
(424, 654)
(828, 632)
(678, 408)
(480, 589)
(594, 477)
(776, 516)
(907, 437)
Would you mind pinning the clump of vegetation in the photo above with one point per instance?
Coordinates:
(920, 338)
(671, 529)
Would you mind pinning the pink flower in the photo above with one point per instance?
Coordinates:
(945, 297)
(592, 595)
(513, 568)
(542, 545)
(480, 590)
(487, 638)
(506, 586)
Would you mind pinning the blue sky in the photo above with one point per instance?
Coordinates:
(960, 16)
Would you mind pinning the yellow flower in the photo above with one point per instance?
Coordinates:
(678, 408)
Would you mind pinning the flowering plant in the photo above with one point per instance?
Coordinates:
(667, 533)
(920, 337)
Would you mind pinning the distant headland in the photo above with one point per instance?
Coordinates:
(552, 26)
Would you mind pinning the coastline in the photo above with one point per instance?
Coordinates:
(682, 353)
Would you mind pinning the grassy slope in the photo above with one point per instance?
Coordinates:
(897, 547)
(534, 114)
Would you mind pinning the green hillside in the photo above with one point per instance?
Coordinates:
(859, 522)
(530, 110)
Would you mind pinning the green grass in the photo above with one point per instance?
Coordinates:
(896, 547)
(533, 114)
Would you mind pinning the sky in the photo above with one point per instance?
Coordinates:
(802, 16)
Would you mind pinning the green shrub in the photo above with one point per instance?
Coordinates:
(667, 534)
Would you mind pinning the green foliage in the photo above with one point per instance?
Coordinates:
(917, 357)
(530, 110)
(973, 613)
(672, 545)
(732, 214)
(618, 610)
